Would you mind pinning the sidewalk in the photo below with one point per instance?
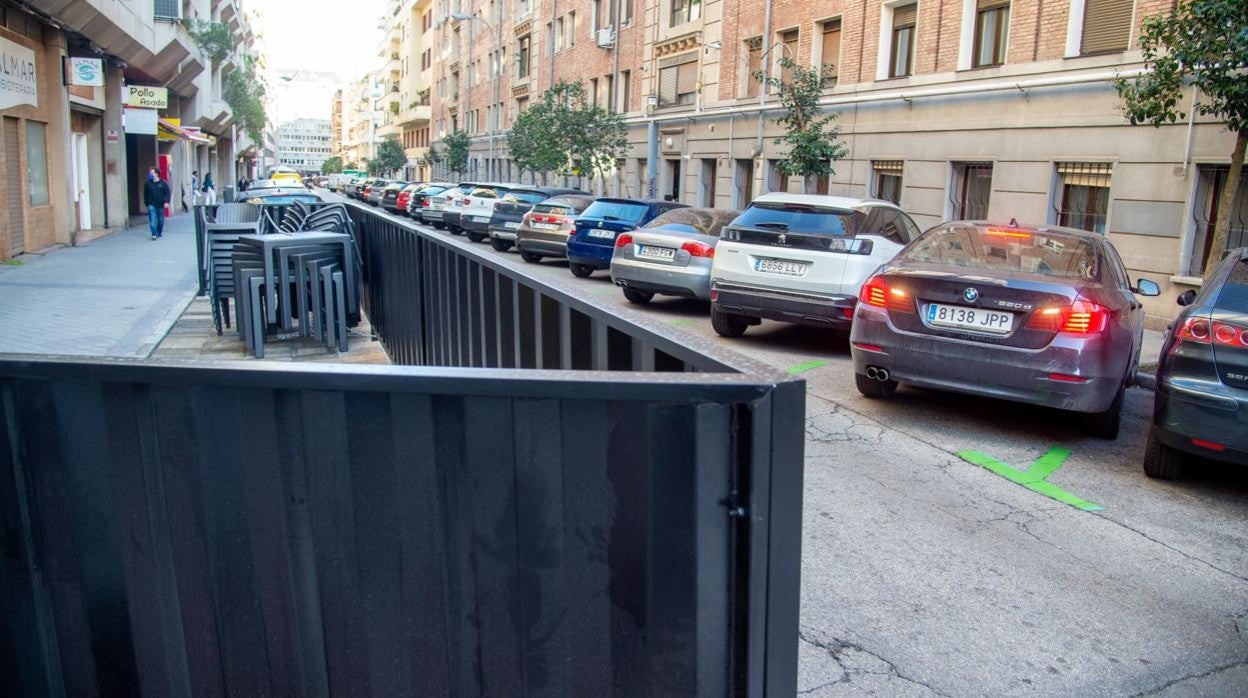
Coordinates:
(116, 296)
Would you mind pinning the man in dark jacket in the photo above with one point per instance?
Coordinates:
(155, 196)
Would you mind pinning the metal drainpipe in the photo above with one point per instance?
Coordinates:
(554, 12)
(615, 51)
(762, 89)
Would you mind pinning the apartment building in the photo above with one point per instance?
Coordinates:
(362, 117)
(140, 93)
(304, 144)
(973, 108)
(406, 55)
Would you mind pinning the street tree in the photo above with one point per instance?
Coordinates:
(390, 157)
(598, 139)
(811, 134)
(1204, 44)
(455, 152)
(542, 144)
(332, 166)
(244, 92)
(353, 165)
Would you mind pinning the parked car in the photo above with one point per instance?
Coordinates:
(1034, 314)
(420, 200)
(366, 189)
(671, 255)
(1200, 406)
(544, 230)
(351, 187)
(443, 211)
(389, 199)
(591, 245)
(268, 191)
(479, 208)
(800, 258)
(377, 190)
(510, 209)
(404, 197)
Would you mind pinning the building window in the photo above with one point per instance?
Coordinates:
(558, 35)
(1083, 195)
(522, 57)
(597, 18)
(972, 185)
(593, 92)
(604, 92)
(626, 90)
(685, 11)
(743, 183)
(753, 66)
(1106, 26)
(901, 49)
(830, 49)
(707, 189)
(992, 28)
(776, 180)
(1210, 186)
(627, 10)
(37, 162)
(887, 180)
(678, 81)
(570, 25)
(522, 105)
(788, 49)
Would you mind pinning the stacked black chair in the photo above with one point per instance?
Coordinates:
(221, 231)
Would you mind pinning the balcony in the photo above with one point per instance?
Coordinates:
(415, 114)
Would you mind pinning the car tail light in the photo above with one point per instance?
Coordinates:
(1067, 378)
(465, 201)
(1228, 335)
(1195, 329)
(877, 292)
(424, 203)
(698, 249)
(1211, 445)
(625, 239)
(1081, 317)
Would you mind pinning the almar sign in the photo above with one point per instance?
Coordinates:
(18, 84)
(147, 97)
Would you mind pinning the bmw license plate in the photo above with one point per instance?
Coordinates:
(599, 233)
(545, 226)
(780, 266)
(655, 252)
(974, 319)
(511, 224)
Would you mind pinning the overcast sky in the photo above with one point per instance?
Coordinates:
(337, 36)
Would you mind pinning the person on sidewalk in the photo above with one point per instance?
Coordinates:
(195, 187)
(210, 190)
(155, 196)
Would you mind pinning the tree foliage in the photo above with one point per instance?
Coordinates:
(333, 165)
(433, 155)
(1201, 43)
(563, 133)
(810, 133)
(214, 39)
(455, 152)
(390, 158)
(244, 93)
(353, 165)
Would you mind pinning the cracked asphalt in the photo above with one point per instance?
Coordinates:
(925, 575)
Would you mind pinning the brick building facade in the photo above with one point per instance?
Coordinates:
(996, 108)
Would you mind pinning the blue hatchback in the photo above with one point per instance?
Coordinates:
(590, 247)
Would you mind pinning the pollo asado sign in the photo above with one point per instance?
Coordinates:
(147, 97)
(18, 84)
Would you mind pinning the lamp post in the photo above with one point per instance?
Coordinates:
(464, 17)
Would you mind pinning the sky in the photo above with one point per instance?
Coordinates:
(332, 36)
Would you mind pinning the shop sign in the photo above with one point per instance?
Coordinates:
(86, 71)
(146, 97)
(112, 137)
(18, 84)
(140, 121)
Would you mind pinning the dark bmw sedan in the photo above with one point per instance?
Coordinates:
(509, 212)
(1201, 403)
(1033, 314)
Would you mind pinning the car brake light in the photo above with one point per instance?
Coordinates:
(878, 293)
(1008, 233)
(1067, 378)
(1194, 329)
(1228, 335)
(625, 239)
(1211, 445)
(424, 203)
(698, 249)
(1081, 317)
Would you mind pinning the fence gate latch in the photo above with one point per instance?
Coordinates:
(733, 503)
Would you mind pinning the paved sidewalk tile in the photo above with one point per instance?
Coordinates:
(116, 296)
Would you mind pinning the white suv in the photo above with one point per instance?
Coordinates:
(800, 258)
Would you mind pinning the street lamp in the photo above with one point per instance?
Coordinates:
(464, 17)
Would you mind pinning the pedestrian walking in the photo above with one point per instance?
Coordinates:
(195, 188)
(155, 196)
(210, 190)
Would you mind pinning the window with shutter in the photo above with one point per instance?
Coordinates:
(830, 48)
(901, 55)
(992, 28)
(789, 39)
(1106, 26)
(678, 80)
(1083, 201)
(754, 65)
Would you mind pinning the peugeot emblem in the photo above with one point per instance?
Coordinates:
(971, 295)
(782, 239)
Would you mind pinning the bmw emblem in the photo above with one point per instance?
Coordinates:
(599, 224)
(971, 295)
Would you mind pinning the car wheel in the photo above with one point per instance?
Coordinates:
(874, 389)
(439, 225)
(500, 245)
(638, 297)
(475, 237)
(728, 325)
(1104, 425)
(580, 271)
(1161, 461)
(530, 257)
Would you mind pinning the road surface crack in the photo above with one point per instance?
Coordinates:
(1192, 677)
(837, 650)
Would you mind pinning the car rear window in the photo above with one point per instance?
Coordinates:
(488, 192)
(556, 207)
(430, 190)
(1234, 294)
(1007, 249)
(799, 218)
(698, 221)
(528, 197)
(616, 211)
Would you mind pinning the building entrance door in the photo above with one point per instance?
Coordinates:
(81, 179)
(13, 188)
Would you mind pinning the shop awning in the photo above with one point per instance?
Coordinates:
(170, 131)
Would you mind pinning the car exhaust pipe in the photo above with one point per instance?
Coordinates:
(871, 372)
(875, 373)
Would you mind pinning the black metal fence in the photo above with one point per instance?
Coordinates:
(257, 530)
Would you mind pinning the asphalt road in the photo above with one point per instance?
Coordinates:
(923, 574)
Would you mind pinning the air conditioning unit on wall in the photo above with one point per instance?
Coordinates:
(605, 37)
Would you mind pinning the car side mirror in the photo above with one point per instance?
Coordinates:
(1186, 298)
(1145, 287)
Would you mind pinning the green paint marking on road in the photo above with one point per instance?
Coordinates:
(1036, 477)
(802, 368)
(681, 323)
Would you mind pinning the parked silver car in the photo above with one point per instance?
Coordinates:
(544, 230)
(671, 255)
(1034, 314)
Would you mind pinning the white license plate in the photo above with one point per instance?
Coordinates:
(596, 233)
(545, 226)
(511, 224)
(655, 252)
(780, 266)
(480, 219)
(975, 319)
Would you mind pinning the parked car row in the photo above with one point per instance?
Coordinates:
(1030, 313)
